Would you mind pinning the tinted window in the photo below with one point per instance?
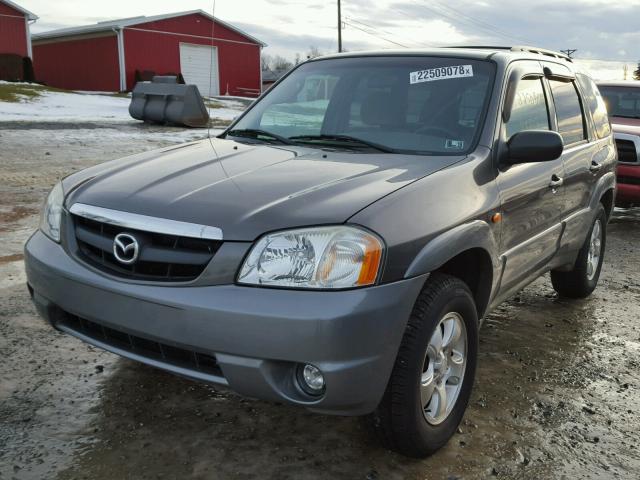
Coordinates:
(410, 104)
(596, 105)
(529, 110)
(568, 111)
(622, 101)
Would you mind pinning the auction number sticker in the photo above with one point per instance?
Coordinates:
(441, 73)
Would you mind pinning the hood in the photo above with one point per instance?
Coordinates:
(630, 126)
(247, 190)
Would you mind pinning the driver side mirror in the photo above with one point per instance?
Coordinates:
(534, 146)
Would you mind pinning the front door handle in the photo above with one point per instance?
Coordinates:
(595, 167)
(556, 182)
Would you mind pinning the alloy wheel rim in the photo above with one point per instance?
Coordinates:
(595, 249)
(443, 368)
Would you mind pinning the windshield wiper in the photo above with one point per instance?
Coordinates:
(256, 133)
(343, 139)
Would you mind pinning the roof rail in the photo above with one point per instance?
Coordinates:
(542, 51)
(518, 48)
(481, 47)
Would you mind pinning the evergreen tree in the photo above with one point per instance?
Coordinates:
(636, 73)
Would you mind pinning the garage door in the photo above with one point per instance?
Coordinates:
(199, 66)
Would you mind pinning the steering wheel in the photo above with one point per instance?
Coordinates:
(432, 128)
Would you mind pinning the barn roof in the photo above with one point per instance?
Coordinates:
(27, 13)
(269, 75)
(132, 21)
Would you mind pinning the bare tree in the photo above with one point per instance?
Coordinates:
(313, 52)
(274, 62)
(265, 61)
(280, 63)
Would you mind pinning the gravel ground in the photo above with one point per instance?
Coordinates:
(556, 393)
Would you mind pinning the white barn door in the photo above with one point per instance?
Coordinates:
(199, 66)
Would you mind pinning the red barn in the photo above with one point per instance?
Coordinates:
(111, 56)
(14, 29)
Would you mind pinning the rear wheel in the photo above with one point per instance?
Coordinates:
(583, 279)
(432, 378)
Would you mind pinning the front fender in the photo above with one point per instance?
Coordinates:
(605, 183)
(475, 234)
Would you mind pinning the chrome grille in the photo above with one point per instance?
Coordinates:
(163, 257)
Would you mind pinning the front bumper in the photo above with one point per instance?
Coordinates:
(258, 336)
(628, 185)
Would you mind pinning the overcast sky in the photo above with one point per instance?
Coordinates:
(599, 29)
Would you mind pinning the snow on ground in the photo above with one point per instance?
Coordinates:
(68, 117)
(67, 107)
(78, 107)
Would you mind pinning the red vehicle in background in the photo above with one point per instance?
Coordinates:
(623, 105)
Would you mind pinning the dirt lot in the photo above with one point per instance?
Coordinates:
(556, 395)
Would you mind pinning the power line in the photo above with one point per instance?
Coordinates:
(386, 32)
(459, 18)
(374, 35)
(483, 24)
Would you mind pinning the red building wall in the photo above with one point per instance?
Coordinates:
(13, 31)
(238, 59)
(92, 63)
(83, 64)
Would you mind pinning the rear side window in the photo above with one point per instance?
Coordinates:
(529, 110)
(568, 111)
(596, 105)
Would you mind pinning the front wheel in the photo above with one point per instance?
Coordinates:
(432, 378)
(583, 279)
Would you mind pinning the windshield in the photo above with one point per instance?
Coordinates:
(422, 105)
(622, 101)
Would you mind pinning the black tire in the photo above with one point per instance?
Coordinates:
(399, 420)
(577, 283)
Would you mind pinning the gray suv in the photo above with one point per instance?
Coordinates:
(337, 247)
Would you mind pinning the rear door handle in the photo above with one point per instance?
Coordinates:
(595, 167)
(556, 182)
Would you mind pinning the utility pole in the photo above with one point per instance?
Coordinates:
(339, 28)
(569, 52)
(625, 69)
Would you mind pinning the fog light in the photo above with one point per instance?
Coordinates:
(312, 380)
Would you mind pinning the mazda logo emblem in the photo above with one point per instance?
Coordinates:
(126, 248)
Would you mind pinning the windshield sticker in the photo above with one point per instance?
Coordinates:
(441, 73)
(454, 144)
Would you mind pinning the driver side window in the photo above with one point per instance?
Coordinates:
(529, 110)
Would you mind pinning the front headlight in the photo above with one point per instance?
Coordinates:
(51, 214)
(317, 257)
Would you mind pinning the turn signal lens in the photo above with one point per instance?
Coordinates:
(370, 263)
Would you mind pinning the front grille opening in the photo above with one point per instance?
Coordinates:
(165, 258)
(626, 151)
(628, 180)
(180, 357)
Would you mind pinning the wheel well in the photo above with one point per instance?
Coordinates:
(607, 200)
(473, 267)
